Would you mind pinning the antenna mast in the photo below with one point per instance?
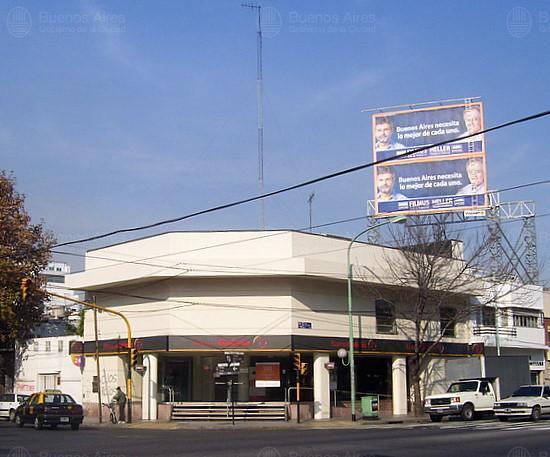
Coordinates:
(260, 103)
(310, 203)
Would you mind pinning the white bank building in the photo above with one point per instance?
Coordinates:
(193, 297)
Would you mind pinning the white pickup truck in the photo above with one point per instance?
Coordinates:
(464, 398)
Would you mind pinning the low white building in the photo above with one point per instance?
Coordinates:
(515, 327)
(46, 363)
(191, 297)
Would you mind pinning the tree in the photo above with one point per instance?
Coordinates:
(24, 253)
(428, 284)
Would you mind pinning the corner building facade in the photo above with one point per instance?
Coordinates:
(191, 297)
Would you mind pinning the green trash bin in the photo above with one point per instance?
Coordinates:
(369, 406)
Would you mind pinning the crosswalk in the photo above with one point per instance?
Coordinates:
(485, 426)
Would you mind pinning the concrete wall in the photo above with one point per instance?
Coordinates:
(112, 375)
(245, 306)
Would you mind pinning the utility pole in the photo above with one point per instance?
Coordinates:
(98, 371)
(260, 105)
(26, 283)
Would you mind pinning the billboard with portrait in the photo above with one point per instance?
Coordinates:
(449, 177)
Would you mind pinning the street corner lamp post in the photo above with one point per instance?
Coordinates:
(351, 358)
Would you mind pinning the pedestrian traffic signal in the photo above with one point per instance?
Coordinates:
(297, 360)
(303, 368)
(133, 356)
(26, 283)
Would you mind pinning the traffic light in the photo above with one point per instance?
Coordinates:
(133, 356)
(26, 283)
(303, 368)
(297, 361)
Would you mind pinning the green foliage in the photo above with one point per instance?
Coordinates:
(24, 253)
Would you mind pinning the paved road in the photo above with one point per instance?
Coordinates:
(448, 439)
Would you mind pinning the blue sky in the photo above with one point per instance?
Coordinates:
(117, 114)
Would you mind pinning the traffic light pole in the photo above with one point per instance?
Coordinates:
(297, 362)
(129, 343)
(298, 396)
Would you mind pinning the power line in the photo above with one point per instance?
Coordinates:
(142, 260)
(302, 184)
(521, 186)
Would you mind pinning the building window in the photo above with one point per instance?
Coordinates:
(48, 346)
(60, 346)
(488, 316)
(525, 320)
(385, 316)
(447, 321)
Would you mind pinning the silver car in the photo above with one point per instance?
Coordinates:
(528, 401)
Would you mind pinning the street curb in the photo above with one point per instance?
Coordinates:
(274, 425)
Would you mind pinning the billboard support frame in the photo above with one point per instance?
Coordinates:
(383, 109)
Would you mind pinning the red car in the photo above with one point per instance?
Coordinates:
(51, 407)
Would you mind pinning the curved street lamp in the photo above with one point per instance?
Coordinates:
(351, 359)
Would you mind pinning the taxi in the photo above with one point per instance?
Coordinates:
(52, 408)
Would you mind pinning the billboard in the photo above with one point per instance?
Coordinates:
(450, 177)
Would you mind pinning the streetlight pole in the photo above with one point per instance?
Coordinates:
(393, 220)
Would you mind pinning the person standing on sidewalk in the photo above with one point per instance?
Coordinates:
(120, 399)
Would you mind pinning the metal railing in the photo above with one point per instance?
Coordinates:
(334, 396)
(171, 395)
(480, 330)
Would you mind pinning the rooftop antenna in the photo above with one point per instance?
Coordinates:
(310, 203)
(260, 102)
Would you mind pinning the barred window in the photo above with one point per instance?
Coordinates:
(524, 320)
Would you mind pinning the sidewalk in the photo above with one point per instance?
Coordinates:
(336, 423)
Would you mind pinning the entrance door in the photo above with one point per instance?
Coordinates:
(177, 379)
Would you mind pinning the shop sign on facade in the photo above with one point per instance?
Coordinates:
(268, 374)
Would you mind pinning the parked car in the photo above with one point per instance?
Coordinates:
(51, 407)
(465, 398)
(9, 403)
(528, 401)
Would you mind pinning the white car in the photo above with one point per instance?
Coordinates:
(527, 401)
(8, 404)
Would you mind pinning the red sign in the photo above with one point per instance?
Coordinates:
(268, 374)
